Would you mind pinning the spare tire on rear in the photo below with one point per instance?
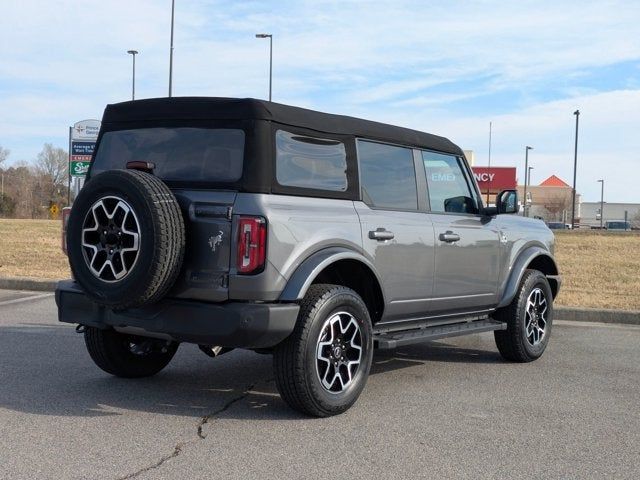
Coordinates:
(125, 239)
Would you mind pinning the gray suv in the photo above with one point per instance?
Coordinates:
(239, 223)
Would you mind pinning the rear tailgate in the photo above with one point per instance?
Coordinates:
(205, 272)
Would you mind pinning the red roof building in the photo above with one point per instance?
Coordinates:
(554, 181)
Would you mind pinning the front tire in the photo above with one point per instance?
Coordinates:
(529, 318)
(128, 356)
(323, 366)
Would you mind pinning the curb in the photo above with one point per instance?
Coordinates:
(575, 314)
(26, 283)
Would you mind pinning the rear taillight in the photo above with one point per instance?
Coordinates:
(66, 211)
(252, 244)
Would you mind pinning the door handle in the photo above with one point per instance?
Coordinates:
(380, 234)
(449, 237)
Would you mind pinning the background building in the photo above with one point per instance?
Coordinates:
(551, 200)
(612, 211)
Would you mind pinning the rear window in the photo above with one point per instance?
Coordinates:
(310, 162)
(179, 154)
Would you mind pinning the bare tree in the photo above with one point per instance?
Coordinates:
(51, 169)
(4, 153)
(53, 164)
(557, 203)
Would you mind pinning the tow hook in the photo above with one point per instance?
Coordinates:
(80, 328)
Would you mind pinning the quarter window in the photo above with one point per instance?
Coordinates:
(387, 176)
(449, 187)
(310, 162)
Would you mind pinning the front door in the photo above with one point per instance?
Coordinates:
(467, 244)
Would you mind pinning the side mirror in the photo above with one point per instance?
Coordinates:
(507, 202)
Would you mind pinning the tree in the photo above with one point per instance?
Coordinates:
(53, 164)
(557, 203)
(52, 170)
(4, 153)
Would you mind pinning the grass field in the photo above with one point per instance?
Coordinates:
(31, 248)
(599, 269)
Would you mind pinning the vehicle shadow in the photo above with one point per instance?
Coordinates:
(45, 370)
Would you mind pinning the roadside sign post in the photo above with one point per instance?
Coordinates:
(82, 141)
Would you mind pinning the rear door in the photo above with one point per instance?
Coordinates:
(467, 244)
(201, 166)
(397, 234)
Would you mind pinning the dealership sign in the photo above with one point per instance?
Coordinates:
(495, 179)
(79, 169)
(86, 130)
(82, 141)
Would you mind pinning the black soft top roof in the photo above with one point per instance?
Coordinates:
(218, 108)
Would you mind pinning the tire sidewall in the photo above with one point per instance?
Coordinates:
(134, 283)
(536, 280)
(340, 302)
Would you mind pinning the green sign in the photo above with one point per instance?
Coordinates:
(79, 169)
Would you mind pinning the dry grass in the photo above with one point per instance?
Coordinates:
(600, 269)
(31, 248)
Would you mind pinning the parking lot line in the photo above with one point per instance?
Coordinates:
(24, 299)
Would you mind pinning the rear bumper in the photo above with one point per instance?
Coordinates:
(242, 325)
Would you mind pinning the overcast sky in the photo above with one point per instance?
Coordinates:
(444, 67)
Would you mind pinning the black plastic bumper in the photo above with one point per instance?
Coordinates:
(243, 325)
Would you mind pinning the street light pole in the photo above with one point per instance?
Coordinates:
(173, 5)
(526, 174)
(489, 166)
(133, 53)
(601, 202)
(270, 37)
(575, 168)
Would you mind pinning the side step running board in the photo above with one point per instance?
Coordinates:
(408, 337)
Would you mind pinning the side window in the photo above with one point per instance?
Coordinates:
(449, 187)
(310, 162)
(387, 176)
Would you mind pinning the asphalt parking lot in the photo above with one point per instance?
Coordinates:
(447, 409)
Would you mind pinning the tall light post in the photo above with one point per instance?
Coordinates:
(173, 5)
(601, 202)
(575, 168)
(133, 53)
(489, 166)
(270, 37)
(526, 175)
(529, 184)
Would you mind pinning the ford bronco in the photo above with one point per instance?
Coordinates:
(240, 223)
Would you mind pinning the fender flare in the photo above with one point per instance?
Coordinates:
(310, 268)
(517, 271)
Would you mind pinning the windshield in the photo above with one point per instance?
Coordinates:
(194, 154)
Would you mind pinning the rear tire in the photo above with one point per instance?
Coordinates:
(128, 356)
(529, 318)
(322, 367)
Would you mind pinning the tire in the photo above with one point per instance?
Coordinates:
(338, 318)
(128, 356)
(518, 343)
(114, 267)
